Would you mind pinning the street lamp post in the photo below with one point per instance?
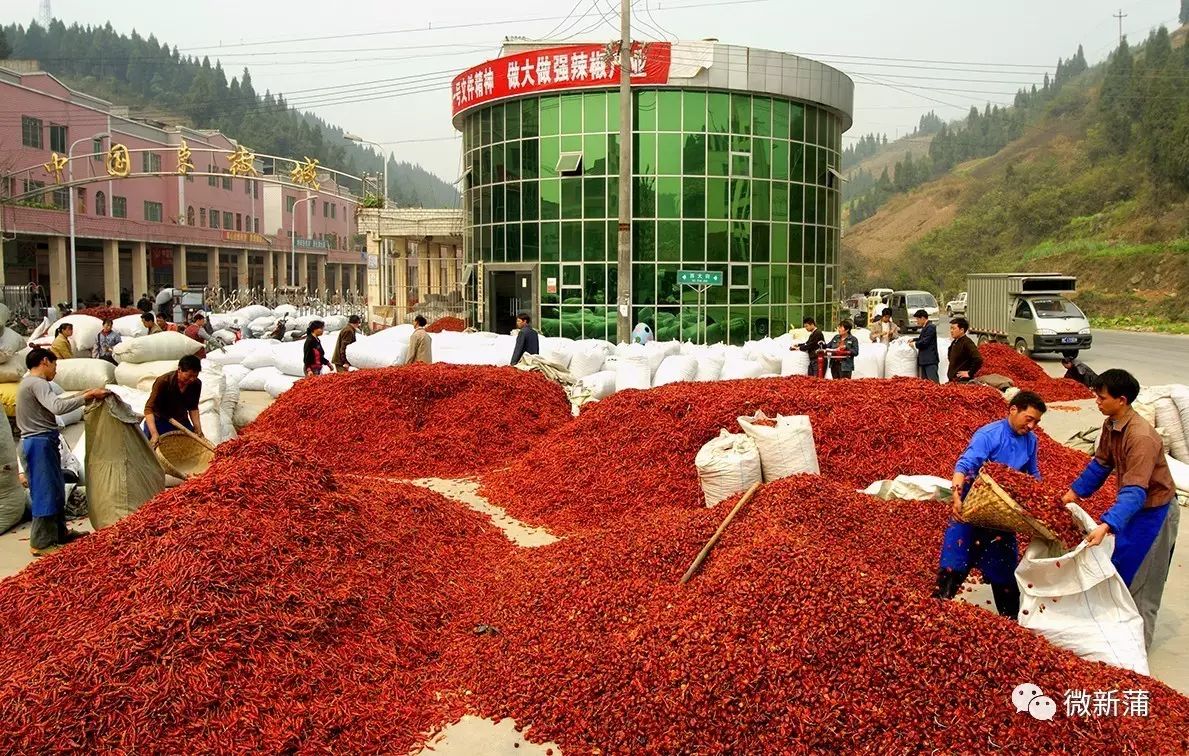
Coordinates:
(70, 183)
(293, 240)
(383, 271)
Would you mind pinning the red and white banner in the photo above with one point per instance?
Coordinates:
(556, 68)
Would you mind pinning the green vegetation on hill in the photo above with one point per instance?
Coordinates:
(163, 85)
(1089, 176)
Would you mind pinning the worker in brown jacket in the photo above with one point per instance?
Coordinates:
(420, 347)
(346, 339)
(1145, 515)
(965, 360)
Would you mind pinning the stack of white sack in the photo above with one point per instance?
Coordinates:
(168, 345)
(238, 319)
(129, 326)
(86, 329)
(12, 356)
(600, 385)
(588, 357)
(84, 373)
(557, 351)
(676, 368)
(289, 358)
(1172, 416)
(473, 348)
(382, 349)
(632, 368)
(132, 374)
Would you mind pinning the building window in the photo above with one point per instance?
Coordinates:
(569, 164)
(97, 150)
(325, 209)
(227, 183)
(289, 203)
(214, 218)
(151, 162)
(334, 209)
(211, 180)
(100, 203)
(190, 215)
(239, 222)
(255, 190)
(61, 198)
(152, 211)
(256, 225)
(202, 217)
(228, 219)
(31, 132)
(247, 186)
(58, 138)
(119, 207)
(80, 200)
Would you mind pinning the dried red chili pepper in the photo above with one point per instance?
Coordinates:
(448, 323)
(1041, 498)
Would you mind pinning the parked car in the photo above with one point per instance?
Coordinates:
(905, 303)
(957, 305)
(853, 308)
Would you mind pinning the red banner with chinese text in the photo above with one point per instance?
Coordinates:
(556, 68)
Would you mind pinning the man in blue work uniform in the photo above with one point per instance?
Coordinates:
(1009, 442)
(1145, 514)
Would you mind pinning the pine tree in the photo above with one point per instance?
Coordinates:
(1184, 17)
(5, 50)
(1117, 97)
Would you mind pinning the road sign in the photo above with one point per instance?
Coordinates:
(699, 277)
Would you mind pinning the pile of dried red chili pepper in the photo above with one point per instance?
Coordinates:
(105, 313)
(447, 323)
(1000, 359)
(1041, 498)
(285, 602)
(417, 420)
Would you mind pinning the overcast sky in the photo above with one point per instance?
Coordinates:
(962, 53)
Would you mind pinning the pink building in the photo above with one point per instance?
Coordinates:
(138, 233)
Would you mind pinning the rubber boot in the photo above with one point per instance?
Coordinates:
(1007, 600)
(948, 583)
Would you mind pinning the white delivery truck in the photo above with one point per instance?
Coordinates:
(1028, 311)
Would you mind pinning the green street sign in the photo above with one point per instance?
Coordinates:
(699, 277)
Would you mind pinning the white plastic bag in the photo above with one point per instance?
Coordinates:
(871, 360)
(600, 385)
(1078, 601)
(258, 379)
(901, 360)
(586, 359)
(736, 368)
(727, 465)
(794, 363)
(709, 367)
(786, 448)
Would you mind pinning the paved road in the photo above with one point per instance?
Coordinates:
(1154, 358)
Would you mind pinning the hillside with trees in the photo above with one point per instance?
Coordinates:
(1088, 175)
(160, 84)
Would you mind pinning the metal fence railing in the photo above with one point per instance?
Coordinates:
(307, 301)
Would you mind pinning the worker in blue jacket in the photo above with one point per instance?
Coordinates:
(1145, 515)
(1011, 442)
(926, 344)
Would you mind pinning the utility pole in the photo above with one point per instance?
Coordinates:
(1120, 15)
(624, 257)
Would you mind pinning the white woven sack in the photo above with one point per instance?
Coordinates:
(870, 362)
(233, 353)
(901, 360)
(129, 326)
(130, 374)
(600, 385)
(335, 322)
(676, 368)
(1098, 619)
(257, 380)
(375, 352)
(285, 311)
(227, 407)
(709, 367)
(263, 355)
(13, 370)
(586, 360)
(86, 328)
(168, 345)
(786, 449)
(943, 353)
(736, 368)
(70, 418)
(84, 373)
(633, 372)
(233, 374)
(657, 351)
(727, 465)
(794, 363)
(134, 398)
(1168, 422)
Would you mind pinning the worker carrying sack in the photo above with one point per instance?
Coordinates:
(785, 444)
(122, 470)
(1078, 601)
(727, 465)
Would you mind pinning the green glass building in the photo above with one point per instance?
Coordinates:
(734, 170)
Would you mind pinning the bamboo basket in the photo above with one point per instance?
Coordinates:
(989, 506)
(182, 456)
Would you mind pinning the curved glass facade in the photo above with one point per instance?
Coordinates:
(725, 181)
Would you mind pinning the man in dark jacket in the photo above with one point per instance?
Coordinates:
(1078, 371)
(926, 344)
(816, 341)
(965, 360)
(526, 338)
(144, 304)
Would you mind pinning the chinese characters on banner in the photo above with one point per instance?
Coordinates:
(558, 68)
